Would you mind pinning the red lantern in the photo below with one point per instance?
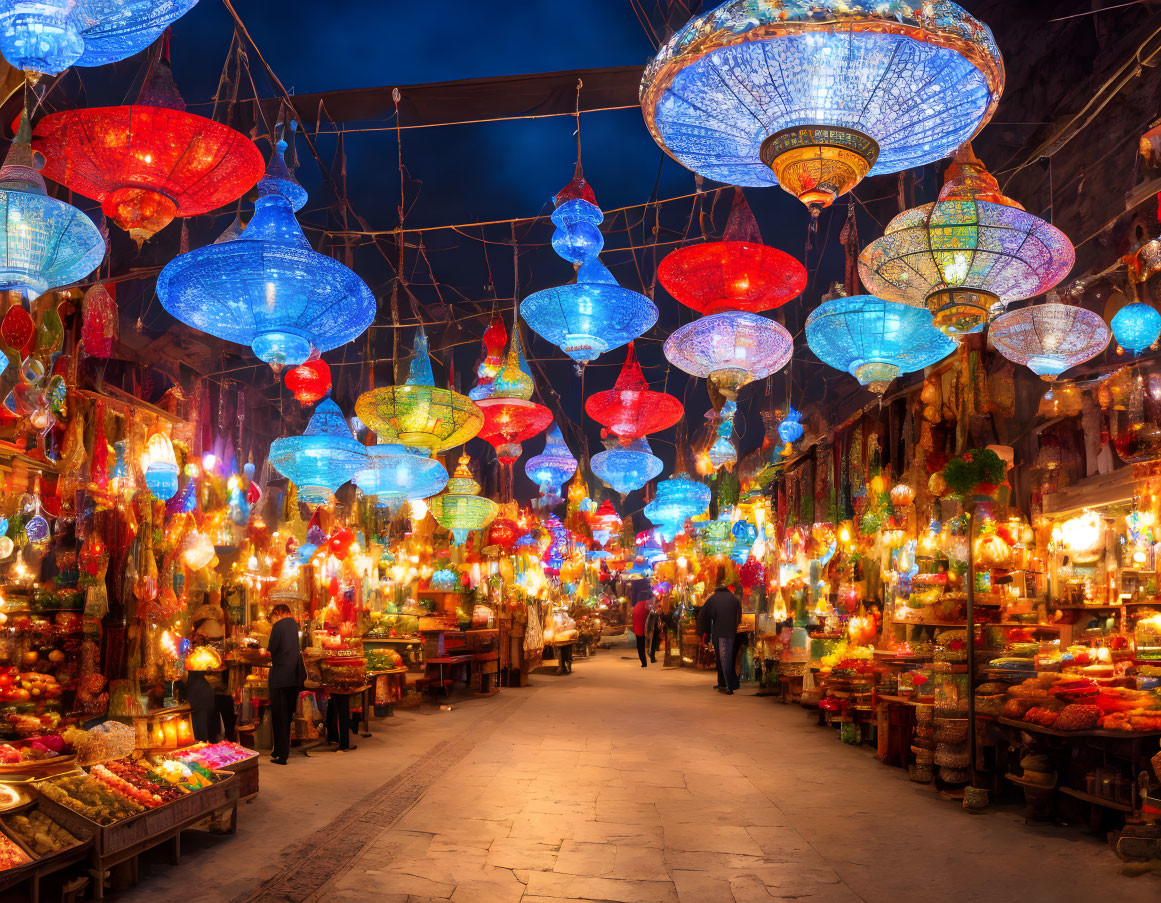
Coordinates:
(17, 329)
(149, 162)
(503, 533)
(341, 541)
(736, 273)
(309, 381)
(630, 409)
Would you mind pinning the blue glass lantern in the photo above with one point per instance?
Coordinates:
(1136, 326)
(790, 429)
(722, 452)
(396, 473)
(744, 531)
(324, 457)
(593, 314)
(46, 243)
(553, 467)
(875, 340)
(629, 467)
(815, 94)
(268, 288)
(678, 499)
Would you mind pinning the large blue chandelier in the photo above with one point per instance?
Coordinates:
(324, 457)
(628, 467)
(553, 467)
(48, 36)
(731, 349)
(268, 288)
(396, 473)
(593, 314)
(875, 340)
(815, 94)
(678, 499)
(46, 243)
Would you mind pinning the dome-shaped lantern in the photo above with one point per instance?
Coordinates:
(626, 468)
(1136, 326)
(461, 509)
(631, 409)
(396, 473)
(552, 468)
(309, 381)
(510, 415)
(1049, 338)
(594, 314)
(731, 349)
(46, 243)
(736, 273)
(816, 94)
(678, 499)
(875, 340)
(968, 255)
(324, 457)
(149, 162)
(417, 413)
(268, 288)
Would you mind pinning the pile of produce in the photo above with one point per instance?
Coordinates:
(1078, 717)
(88, 797)
(11, 855)
(118, 784)
(40, 833)
(105, 742)
(186, 776)
(214, 755)
(143, 779)
(51, 747)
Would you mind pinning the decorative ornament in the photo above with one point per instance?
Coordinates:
(510, 416)
(395, 474)
(309, 381)
(1136, 326)
(790, 427)
(630, 409)
(551, 469)
(99, 321)
(159, 464)
(495, 338)
(324, 457)
(461, 509)
(902, 495)
(992, 551)
(627, 468)
(731, 349)
(1049, 338)
(678, 499)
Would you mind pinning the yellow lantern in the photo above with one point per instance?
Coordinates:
(902, 495)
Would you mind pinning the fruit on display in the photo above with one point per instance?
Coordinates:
(143, 779)
(214, 755)
(44, 748)
(118, 784)
(88, 797)
(11, 855)
(191, 777)
(40, 833)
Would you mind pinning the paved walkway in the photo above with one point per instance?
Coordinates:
(623, 784)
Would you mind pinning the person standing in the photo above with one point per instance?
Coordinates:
(720, 617)
(653, 630)
(287, 676)
(640, 621)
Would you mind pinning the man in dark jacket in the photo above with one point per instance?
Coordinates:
(287, 675)
(720, 617)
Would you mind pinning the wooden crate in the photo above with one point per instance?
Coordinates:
(246, 773)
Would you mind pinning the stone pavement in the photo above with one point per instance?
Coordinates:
(631, 785)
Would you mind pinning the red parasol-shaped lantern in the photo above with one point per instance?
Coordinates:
(503, 533)
(309, 381)
(149, 162)
(736, 273)
(631, 409)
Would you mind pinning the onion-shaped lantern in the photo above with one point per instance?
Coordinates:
(510, 415)
(604, 522)
(736, 273)
(630, 409)
(324, 457)
(503, 534)
(268, 288)
(594, 314)
(678, 499)
(875, 340)
(626, 468)
(396, 473)
(551, 469)
(48, 36)
(731, 349)
(790, 427)
(461, 509)
(149, 162)
(309, 381)
(46, 243)
(417, 413)
(1136, 326)
(816, 94)
(968, 255)
(1049, 338)
(495, 337)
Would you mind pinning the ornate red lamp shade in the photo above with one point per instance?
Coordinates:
(631, 409)
(510, 415)
(736, 273)
(309, 381)
(149, 162)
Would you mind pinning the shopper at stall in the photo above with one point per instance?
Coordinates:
(721, 617)
(287, 675)
(653, 629)
(640, 623)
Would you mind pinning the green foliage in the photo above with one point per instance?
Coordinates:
(976, 467)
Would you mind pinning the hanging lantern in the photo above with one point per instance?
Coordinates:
(790, 427)
(503, 534)
(510, 416)
(874, 340)
(721, 452)
(630, 409)
(626, 468)
(736, 273)
(678, 499)
(99, 322)
(731, 349)
(495, 338)
(396, 473)
(816, 95)
(991, 551)
(461, 509)
(551, 469)
(324, 457)
(902, 495)
(197, 550)
(594, 314)
(309, 381)
(159, 464)
(968, 255)
(1049, 338)
(1136, 326)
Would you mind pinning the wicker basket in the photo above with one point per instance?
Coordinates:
(951, 731)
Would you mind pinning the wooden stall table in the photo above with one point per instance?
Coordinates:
(452, 663)
(395, 685)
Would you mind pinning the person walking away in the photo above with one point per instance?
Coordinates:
(640, 622)
(287, 676)
(653, 629)
(720, 618)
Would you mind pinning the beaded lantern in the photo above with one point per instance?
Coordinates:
(324, 457)
(968, 255)
(268, 288)
(731, 349)
(594, 314)
(461, 509)
(46, 243)
(551, 469)
(48, 36)
(816, 94)
(1049, 338)
(678, 499)
(1136, 326)
(626, 468)
(630, 409)
(736, 273)
(417, 413)
(396, 473)
(510, 415)
(149, 162)
(874, 340)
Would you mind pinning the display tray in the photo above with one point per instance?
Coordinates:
(42, 865)
(39, 767)
(1096, 732)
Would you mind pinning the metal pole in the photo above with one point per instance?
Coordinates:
(971, 642)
